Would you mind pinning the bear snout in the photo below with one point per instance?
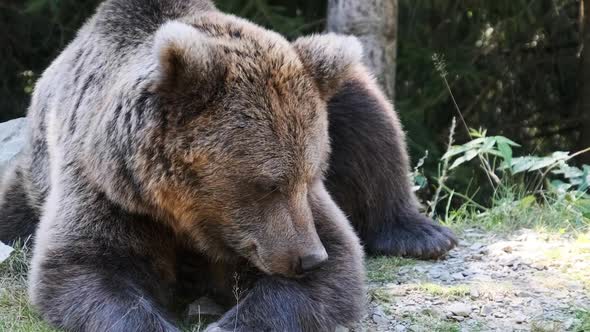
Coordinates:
(312, 261)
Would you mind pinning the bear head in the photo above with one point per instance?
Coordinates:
(242, 139)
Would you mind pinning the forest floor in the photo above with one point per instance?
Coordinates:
(524, 280)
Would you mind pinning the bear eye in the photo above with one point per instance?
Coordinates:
(266, 187)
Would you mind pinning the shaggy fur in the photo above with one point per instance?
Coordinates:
(368, 175)
(171, 146)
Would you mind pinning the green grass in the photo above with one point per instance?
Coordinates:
(384, 269)
(513, 212)
(16, 314)
(584, 321)
(447, 292)
(427, 321)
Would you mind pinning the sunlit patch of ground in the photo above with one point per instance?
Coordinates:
(522, 281)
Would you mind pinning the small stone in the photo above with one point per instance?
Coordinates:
(458, 318)
(507, 249)
(474, 293)
(445, 276)
(460, 309)
(486, 310)
(498, 314)
(382, 321)
(476, 246)
(509, 261)
(400, 328)
(457, 276)
(521, 293)
(520, 318)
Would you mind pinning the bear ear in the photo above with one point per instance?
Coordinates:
(187, 59)
(330, 59)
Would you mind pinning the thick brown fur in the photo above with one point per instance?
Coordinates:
(369, 174)
(173, 145)
(169, 134)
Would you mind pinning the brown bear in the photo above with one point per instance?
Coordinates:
(172, 147)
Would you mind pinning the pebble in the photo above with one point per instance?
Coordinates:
(457, 276)
(380, 320)
(400, 328)
(520, 318)
(460, 309)
(487, 310)
(503, 289)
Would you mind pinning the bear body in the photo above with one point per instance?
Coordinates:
(173, 150)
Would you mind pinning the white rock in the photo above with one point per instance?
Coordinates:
(520, 318)
(457, 276)
(5, 252)
(12, 140)
(487, 310)
(460, 309)
(400, 328)
(382, 321)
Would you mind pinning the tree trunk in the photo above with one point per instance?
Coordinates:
(374, 22)
(584, 81)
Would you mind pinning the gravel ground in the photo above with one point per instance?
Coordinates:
(527, 281)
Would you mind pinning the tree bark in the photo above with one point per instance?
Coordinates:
(374, 22)
(584, 81)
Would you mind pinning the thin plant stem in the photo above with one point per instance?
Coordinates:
(444, 170)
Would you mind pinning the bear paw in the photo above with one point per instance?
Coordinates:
(415, 236)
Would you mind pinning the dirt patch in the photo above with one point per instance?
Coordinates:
(527, 281)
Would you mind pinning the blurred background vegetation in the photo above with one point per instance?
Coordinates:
(514, 66)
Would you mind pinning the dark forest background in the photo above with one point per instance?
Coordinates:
(515, 67)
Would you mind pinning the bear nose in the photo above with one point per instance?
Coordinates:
(312, 261)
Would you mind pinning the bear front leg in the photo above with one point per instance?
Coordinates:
(97, 268)
(321, 300)
(369, 175)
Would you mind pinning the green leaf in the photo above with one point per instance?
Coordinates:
(522, 164)
(455, 150)
(560, 186)
(467, 157)
(527, 201)
(502, 139)
(505, 151)
(540, 163)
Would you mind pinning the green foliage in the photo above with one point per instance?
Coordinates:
(513, 67)
(583, 317)
(528, 191)
(482, 146)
